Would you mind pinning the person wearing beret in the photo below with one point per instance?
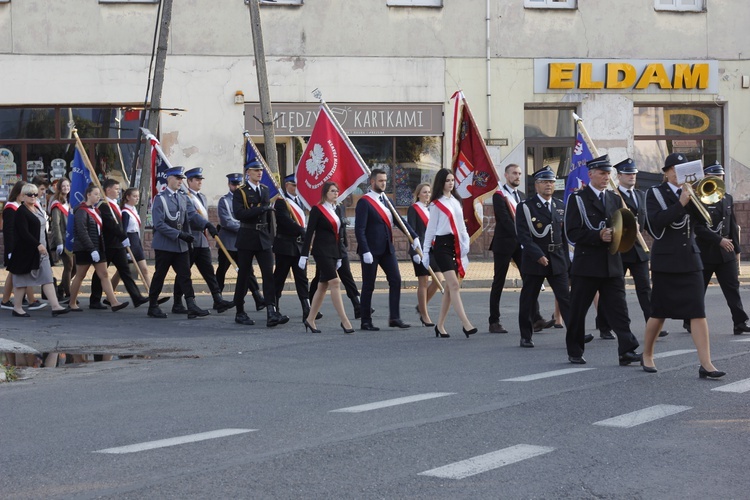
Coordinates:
(676, 267)
(720, 247)
(588, 216)
(251, 205)
(172, 215)
(539, 223)
(200, 252)
(636, 260)
(228, 227)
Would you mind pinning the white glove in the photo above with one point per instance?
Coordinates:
(465, 262)
(416, 258)
(302, 262)
(10, 256)
(416, 244)
(338, 264)
(95, 256)
(367, 258)
(126, 242)
(425, 260)
(130, 259)
(59, 249)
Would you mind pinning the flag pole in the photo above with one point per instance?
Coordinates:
(319, 95)
(612, 184)
(95, 180)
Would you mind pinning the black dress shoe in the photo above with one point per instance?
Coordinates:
(58, 312)
(629, 357)
(663, 333)
(587, 338)
(140, 301)
(741, 328)
(549, 324)
(558, 325)
(18, 315)
(162, 300)
(469, 332)
(243, 319)
(577, 360)
(122, 305)
(98, 306)
(648, 369)
(156, 312)
(703, 373)
(497, 328)
(369, 327)
(526, 343)
(539, 325)
(398, 323)
(606, 335)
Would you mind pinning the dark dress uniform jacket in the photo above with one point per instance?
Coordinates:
(535, 248)
(25, 249)
(674, 249)
(289, 234)
(504, 240)
(251, 216)
(708, 239)
(591, 257)
(325, 244)
(373, 235)
(113, 232)
(637, 253)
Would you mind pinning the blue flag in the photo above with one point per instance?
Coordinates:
(80, 178)
(578, 177)
(252, 156)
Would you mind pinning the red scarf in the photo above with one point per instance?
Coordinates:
(331, 219)
(94, 213)
(454, 229)
(12, 205)
(56, 204)
(381, 211)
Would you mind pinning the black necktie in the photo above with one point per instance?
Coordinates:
(679, 192)
(382, 199)
(632, 197)
(546, 205)
(515, 195)
(601, 197)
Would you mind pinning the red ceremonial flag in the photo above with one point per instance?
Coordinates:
(476, 177)
(329, 156)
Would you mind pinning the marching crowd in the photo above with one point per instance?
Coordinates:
(535, 232)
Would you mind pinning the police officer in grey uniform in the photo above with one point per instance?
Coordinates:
(172, 215)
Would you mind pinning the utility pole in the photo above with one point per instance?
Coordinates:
(269, 137)
(153, 115)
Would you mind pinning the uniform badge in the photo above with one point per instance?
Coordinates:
(539, 225)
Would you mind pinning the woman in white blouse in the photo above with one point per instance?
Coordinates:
(447, 243)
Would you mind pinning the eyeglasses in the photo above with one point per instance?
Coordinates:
(32, 195)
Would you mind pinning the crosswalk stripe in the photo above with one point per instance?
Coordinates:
(678, 352)
(642, 416)
(163, 443)
(392, 402)
(739, 387)
(554, 373)
(746, 339)
(487, 462)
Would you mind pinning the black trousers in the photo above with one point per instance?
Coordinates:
(118, 257)
(389, 265)
(285, 263)
(532, 285)
(345, 275)
(612, 299)
(501, 265)
(642, 280)
(245, 263)
(180, 262)
(223, 267)
(727, 276)
(201, 258)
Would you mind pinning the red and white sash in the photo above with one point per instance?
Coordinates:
(115, 208)
(57, 205)
(381, 211)
(94, 213)
(12, 205)
(509, 200)
(421, 213)
(331, 219)
(456, 237)
(132, 214)
(297, 213)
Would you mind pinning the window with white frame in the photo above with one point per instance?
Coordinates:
(414, 3)
(278, 2)
(680, 5)
(550, 4)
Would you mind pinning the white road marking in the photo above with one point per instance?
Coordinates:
(746, 339)
(739, 387)
(392, 402)
(487, 462)
(642, 416)
(554, 373)
(163, 443)
(678, 352)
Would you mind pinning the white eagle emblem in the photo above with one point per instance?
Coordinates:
(317, 162)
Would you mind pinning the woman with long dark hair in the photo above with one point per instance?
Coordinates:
(325, 226)
(418, 216)
(59, 208)
(447, 242)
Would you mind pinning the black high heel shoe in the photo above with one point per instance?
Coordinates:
(648, 369)
(703, 373)
(424, 323)
(469, 332)
(307, 325)
(440, 334)
(350, 330)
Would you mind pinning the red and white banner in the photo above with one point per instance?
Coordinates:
(329, 156)
(159, 164)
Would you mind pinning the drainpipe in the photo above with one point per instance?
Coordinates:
(489, 88)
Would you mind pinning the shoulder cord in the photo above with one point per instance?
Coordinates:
(585, 218)
(533, 231)
(167, 213)
(229, 209)
(674, 225)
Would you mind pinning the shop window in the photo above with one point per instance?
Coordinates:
(680, 5)
(550, 4)
(549, 134)
(414, 3)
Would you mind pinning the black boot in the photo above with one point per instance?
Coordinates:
(356, 306)
(155, 312)
(273, 317)
(221, 305)
(260, 302)
(193, 311)
(177, 307)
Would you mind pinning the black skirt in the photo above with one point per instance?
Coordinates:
(84, 258)
(420, 270)
(677, 295)
(326, 268)
(444, 252)
(136, 246)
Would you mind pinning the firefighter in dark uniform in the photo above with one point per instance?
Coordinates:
(587, 216)
(539, 224)
(252, 207)
(720, 247)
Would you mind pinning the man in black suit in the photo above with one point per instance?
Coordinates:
(505, 246)
(720, 246)
(636, 259)
(539, 222)
(588, 214)
(115, 244)
(251, 205)
(373, 226)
